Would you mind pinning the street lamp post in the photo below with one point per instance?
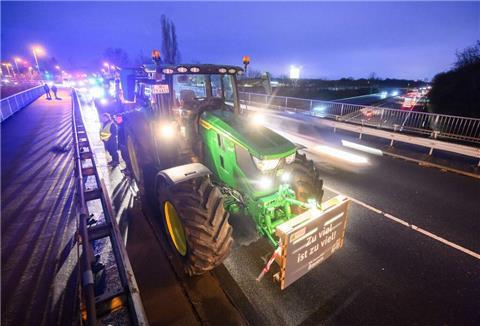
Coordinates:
(8, 65)
(36, 59)
(106, 64)
(17, 60)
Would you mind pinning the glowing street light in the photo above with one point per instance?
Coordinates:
(106, 64)
(57, 67)
(8, 65)
(36, 52)
(17, 60)
(294, 72)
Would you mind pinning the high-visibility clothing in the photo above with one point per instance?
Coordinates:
(105, 132)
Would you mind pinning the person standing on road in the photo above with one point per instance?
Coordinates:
(54, 90)
(122, 143)
(108, 134)
(47, 91)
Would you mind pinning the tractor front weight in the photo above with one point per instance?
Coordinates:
(275, 209)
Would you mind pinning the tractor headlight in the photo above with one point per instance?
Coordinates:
(285, 177)
(265, 183)
(289, 159)
(167, 130)
(265, 165)
(258, 119)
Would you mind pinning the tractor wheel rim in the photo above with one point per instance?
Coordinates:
(175, 228)
(133, 159)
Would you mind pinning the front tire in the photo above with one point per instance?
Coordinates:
(306, 181)
(196, 223)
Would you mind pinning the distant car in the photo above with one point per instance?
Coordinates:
(409, 102)
(369, 112)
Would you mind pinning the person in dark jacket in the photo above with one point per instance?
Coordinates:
(122, 143)
(108, 134)
(47, 91)
(54, 90)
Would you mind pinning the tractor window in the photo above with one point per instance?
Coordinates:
(228, 88)
(192, 86)
(216, 81)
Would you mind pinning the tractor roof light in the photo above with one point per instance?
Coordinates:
(265, 165)
(222, 70)
(156, 55)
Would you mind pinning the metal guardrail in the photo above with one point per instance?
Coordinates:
(120, 305)
(12, 104)
(427, 124)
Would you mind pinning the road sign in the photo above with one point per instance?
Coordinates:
(310, 238)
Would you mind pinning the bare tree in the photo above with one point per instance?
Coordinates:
(373, 76)
(170, 52)
(467, 56)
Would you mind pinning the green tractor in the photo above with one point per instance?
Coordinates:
(201, 157)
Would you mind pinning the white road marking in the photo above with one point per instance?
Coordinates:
(410, 226)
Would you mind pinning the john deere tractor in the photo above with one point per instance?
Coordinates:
(200, 158)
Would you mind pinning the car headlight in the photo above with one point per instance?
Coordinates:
(265, 165)
(290, 158)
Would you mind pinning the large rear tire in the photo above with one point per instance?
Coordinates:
(306, 181)
(196, 223)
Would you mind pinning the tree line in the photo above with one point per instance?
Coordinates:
(457, 91)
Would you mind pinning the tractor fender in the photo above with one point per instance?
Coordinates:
(181, 173)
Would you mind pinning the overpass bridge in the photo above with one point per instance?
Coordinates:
(412, 252)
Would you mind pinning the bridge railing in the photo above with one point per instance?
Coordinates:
(12, 104)
(428, 124)
(103, 250)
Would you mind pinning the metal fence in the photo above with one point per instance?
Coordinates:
(16, 102)
(428, 124)
(103, 251)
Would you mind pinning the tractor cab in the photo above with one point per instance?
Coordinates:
(189, 87)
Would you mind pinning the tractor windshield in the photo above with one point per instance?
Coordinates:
(190, 88)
